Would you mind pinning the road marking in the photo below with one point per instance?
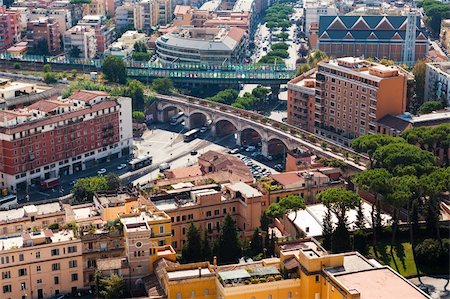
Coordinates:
(42, 193)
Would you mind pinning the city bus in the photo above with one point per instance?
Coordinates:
(177, 118)
(191, 135)
(140, 162)
(49, 183)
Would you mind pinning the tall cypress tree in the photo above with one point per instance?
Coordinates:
(256, 244)
(206, 247)
(229, 249)
(192, 249)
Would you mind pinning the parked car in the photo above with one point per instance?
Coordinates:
(233, 151)
(203, 129)
(193, 153)
(250, 148)
(121, 166)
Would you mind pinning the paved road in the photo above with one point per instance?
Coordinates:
(437, 287)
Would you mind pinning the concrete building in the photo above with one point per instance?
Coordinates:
(314, 9)
(99, 7)
(206, 206)
(437, 81)
(124, 16)
(350, 96)
(9, 28)
(9, 90)
(213, 46)
(309, 272)
(104, 34)
(49, 138)
(374, 36)
(40, 264)
(44, 30)
(145, 17)
(124, 46)
(81, 38)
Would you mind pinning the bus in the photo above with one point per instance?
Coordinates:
(140, 162)
(191, 135)
(49, 183)
(177, 118)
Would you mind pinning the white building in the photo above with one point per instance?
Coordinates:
(83, 38)
(316, 8)
(437, 81)
(124, 46)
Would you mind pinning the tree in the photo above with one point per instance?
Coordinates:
(229, 247)
(50, 78)
(206, 247)
(226, 96)
(360, 222)
(279, 53)
(256, 243)
(283, 35)
(138, 116)
(260, 92)
(192, 249)
(17, 66)
(280, 46)
(114, 69)
(430, 106)
(113, 181)
(419, 77)
(84, 188)
(163, 86)
(374, 181)
(435, 12)
(292, 204)
(40, 47)
(402, 159)
(327, 230)
(141, 56)
(265, 221)
(112, 287)
(140, 46)
(370, 143)
(135, 90)
(75, 52)
(339, 201)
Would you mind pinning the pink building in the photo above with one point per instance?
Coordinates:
(9, 28)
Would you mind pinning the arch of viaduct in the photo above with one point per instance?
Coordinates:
(223, 123)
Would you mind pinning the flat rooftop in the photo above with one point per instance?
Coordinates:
(380, 283)
(25, 211)
(26, 239)
(353, 262)
(189, 273)
(245, 189)
(308, 246)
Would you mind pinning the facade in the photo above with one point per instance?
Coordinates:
(304, 270)
(206, 206)
(50, 138)
(44, 29)
(150, 13)
(213, 46)
(10, 89)
(40, 264)
(374, 36)
(350, 96)
(437, 79)
(81, 38)
(314, 10)
(124, 46)
(104, 34)
(124, 16)
(9, 28)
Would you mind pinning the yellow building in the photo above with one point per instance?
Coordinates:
(111, 204)
(40, 264)
(303, 271)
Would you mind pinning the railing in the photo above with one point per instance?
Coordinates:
(262, 120)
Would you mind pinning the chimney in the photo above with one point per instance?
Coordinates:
(199, 272)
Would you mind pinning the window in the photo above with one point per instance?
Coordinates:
(55, 252)
(161, 229)
(208, 214)
(56, 267)
(73, 264)
(56, 279)
(6, 274)
(179, 295)
(7, 288)
(216, 212)
(269, 297)
(206, 292)
(22, 272)
(289, 295)
(38, 254)
(192, 294)
(72, 249)
(38, 268)
(23, 286)
(317, 278)
(21, 257)
(74, 276)
(39, 281)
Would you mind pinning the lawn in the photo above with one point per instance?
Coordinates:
(402, 261)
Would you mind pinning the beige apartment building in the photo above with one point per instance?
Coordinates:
(40, 264)
(206, 207)
(351, 94)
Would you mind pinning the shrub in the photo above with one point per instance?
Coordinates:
(17, 66)
(255, 280)
(430, 253)
(53, 226)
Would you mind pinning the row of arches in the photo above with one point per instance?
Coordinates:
(225, 127)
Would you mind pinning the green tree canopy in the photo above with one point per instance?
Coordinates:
(84, 188)
(280, 46)
(114, 69)
(138, 116)
(430, 106)
(112, 287)
(229, 245)
(339, 201)
(292, 203)
(192, 249)
(135, 90)
(163, 86)
(226, 96)
(370, 143)
(256, 243)
(260, 92)
(140, 47)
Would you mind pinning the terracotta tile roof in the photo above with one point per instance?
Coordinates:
(87, 95)
(58, 118)
(184, 172)
(9, 115)
(236, 33)
(110, 263)
(181, 9)
(48, 105)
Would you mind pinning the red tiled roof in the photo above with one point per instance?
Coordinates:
(48, 105)
(184, 172)
(236, 33)
(87, 95)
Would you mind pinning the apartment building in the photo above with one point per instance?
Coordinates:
(81, 38)
(104, 34)
(9, 28)
(304, 270)
(47, 30)
(52, 138)
(351, 94)
(40, 264)
(314, 10)
(206, 206)
(124, 46)
(124, 16)
(112, 204)
(437, 81)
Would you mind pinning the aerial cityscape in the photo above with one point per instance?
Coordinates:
(226, 149)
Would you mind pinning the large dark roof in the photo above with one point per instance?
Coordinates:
(394, 122)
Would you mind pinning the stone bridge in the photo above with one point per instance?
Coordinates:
(251, 128)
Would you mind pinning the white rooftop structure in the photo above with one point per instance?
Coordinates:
(190, 273)
(210, 5)
(18, 213)
(244, 5)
